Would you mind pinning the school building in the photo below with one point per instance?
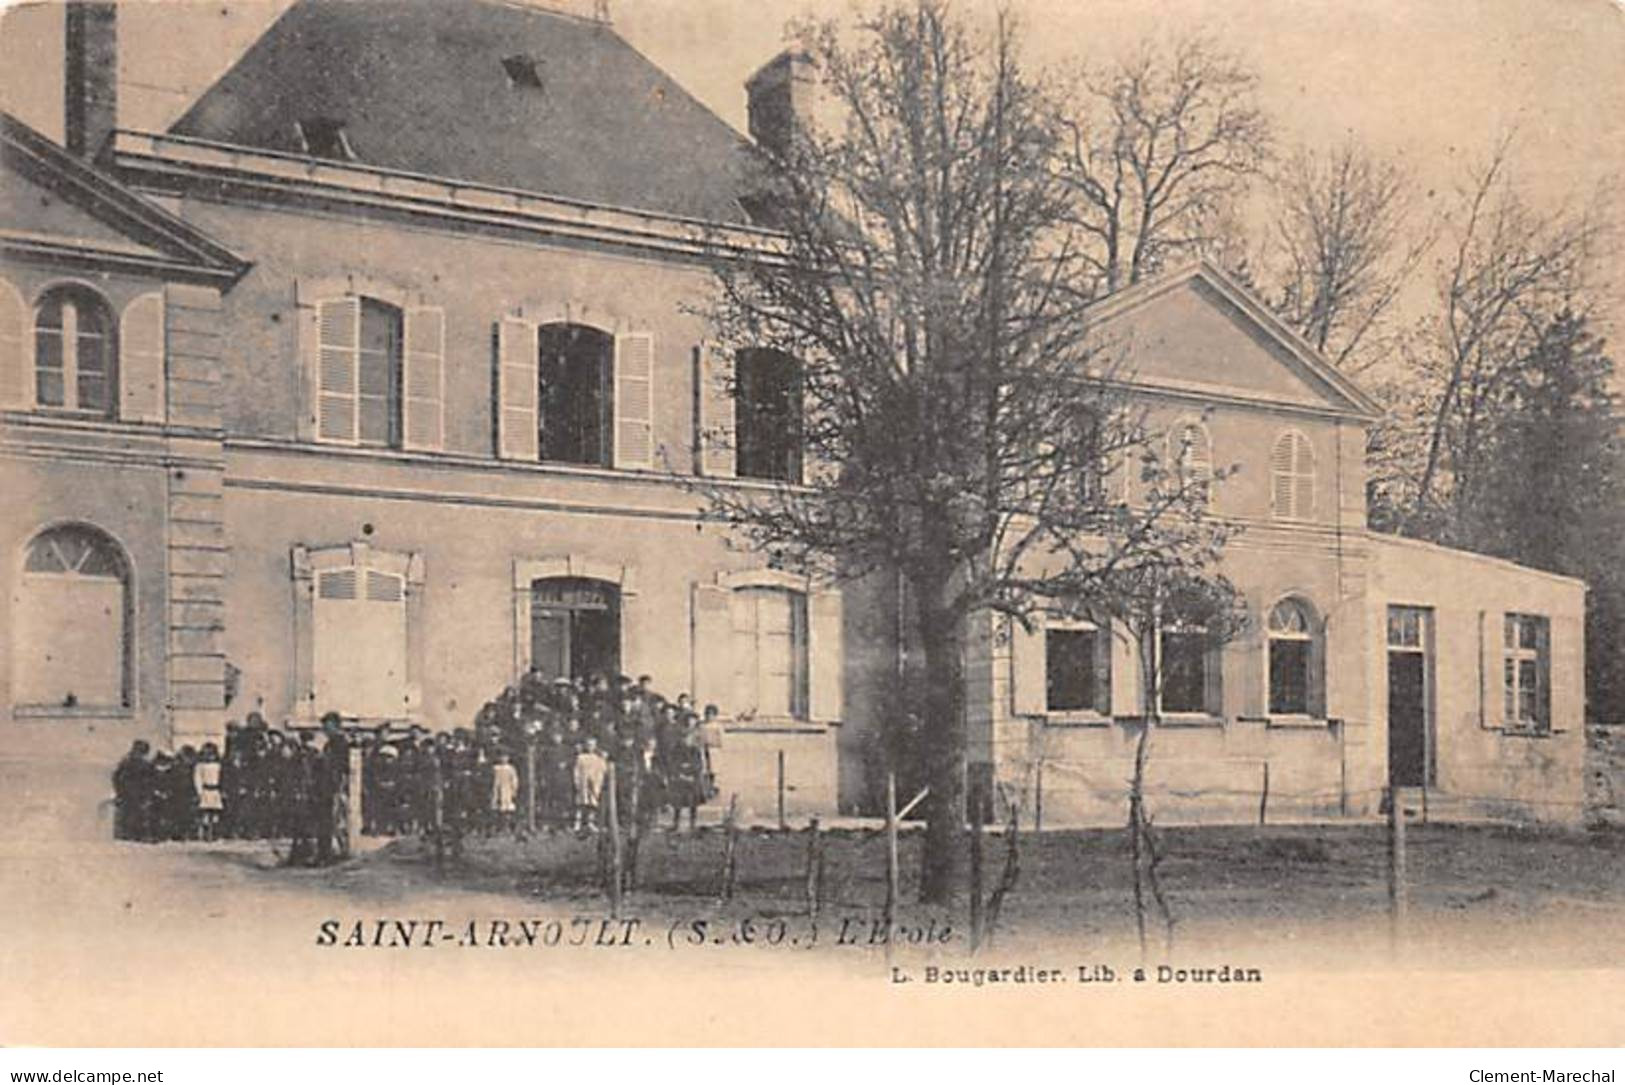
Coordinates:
(377, 379)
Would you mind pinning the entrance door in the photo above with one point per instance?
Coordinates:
(575, 628)
(1410, 761)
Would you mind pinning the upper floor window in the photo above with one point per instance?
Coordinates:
(72, 645)
(1294, 660)
(767, 415)
(1292, 477)
(74, 351)
(576, 394)
(1526, 669)
(1191, 451)
(378, 373)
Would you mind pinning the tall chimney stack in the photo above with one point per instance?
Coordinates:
(780, 100)
(90, 101)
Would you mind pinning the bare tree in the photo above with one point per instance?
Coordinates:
(1509, 268)
(1159, 146)
(961, 418)
(1345, 243)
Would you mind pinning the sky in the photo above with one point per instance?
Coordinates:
(1432, 83)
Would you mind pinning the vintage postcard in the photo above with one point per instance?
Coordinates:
(912, 522)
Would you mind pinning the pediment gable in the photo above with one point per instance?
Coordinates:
(54, 205)
(1198, 331)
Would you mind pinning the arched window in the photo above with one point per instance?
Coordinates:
(1295, 657)
(72, 646)
(1292, 477)
(74, 351)
(576, 382)
(767, 415)
(1190, 449)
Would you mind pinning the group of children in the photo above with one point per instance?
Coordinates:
(267, 783)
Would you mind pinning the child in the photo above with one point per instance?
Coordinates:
(590, 770)
(504, 794)
(206, 781)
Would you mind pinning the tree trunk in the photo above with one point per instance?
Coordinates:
(941, 862)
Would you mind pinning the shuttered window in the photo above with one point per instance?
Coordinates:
(575, 371)
(1292, 477)
(71, 648)
(516, 389)
(1077, 669)
(769, 650)
(424, 381)
(338, 341)
(359, 644)
(768, 416)
(378, 375)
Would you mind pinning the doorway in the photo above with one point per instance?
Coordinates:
(1410, 733)
(575, 627)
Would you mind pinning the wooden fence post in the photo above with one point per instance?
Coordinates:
(439, 813)
(975, 869)
(783, 824)
(892, 886)
(730, 842)
(815, 867)
(616, 860)
(352, 803)
(530, 787)
(1264, 795)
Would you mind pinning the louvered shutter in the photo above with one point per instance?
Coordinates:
(424, 381)
(634, 401)
(1192, 451)
(714, 411)
(1292, 477)
(826, 657)
(16, 363)
(338, 341)
(1028, 669)
(1126, 678)
(711, 629)
(516, 389)
(141, 360)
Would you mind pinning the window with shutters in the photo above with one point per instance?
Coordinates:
(1292, 477)
(75, 366)
(576, 394)
(1183, 659)
(359, 642)
(767, 415)
(1077, 668)
(72, 644)
(1295, 660)
(1526, 672)
(769, 651)
(1190, 449)
(377, 373)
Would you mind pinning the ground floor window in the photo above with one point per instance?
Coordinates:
(575, 627)
(72, 647)
(1077, 669)
(1525, 665)
(1294, 677)
(769, 650)
(1184, 660)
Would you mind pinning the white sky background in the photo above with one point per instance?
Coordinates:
(1432, 82)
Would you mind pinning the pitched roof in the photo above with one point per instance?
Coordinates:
(422, 86)
(97, 218)
(1313, 363)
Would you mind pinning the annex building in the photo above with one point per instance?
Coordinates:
(377, 380)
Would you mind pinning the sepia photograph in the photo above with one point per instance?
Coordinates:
(740, 523)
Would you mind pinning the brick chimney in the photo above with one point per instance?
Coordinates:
(780, 98)
(90, 100)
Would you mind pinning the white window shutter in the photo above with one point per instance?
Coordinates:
(424, 380)
(141, 360)
(1029, 670)
(338, 343)
(1283, 491)
(634, 401)
(714, 411)
(16, 357)
(711, 630)
(826, 657)
(516, 390)
(1303, 481)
